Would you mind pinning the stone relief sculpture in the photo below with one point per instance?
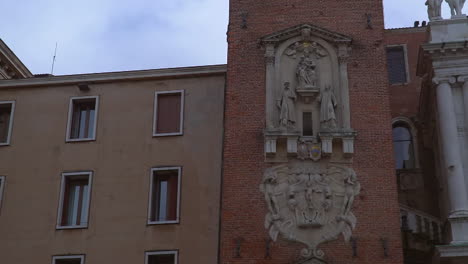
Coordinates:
(306, 74)
(456, 7)
(434, 9)
(310, 205)
(286, 104)
(328, 104)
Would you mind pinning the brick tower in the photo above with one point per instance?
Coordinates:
(308, 157)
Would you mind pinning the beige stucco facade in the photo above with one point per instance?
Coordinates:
(121, 159)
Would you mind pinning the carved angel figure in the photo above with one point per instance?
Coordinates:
(327, 108)
(456, 7)
(287, 107)
(434, 8)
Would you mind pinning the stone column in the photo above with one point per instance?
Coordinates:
(270, 87)
(451, 150)
(345, 109)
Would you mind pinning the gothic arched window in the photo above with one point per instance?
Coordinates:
(403, 147)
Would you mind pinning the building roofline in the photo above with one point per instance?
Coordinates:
(13, 61)
(406, 30)
(106, 77)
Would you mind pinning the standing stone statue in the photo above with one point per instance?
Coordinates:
(456, 7)
(327, 108)
(434, 9)
(287, 107)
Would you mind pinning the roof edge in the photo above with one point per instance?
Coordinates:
(14, 61)
(182, 72)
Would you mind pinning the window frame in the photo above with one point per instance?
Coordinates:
(155, 113)
(150, 198)
(70, 117)
(406, 122)
(10, 125)
(163, 252)
(2, 188)
(60, 257)
(405, 55)
(61, 199)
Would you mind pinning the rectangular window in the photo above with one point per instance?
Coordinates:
(74, 200)
(307, 124)
(164, 195)
(396, 65)
(168, 113)
(7, 109)
(76, 259)
(161, 257)
(82, 117)
(2, 186)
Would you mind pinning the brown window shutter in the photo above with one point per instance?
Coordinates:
(172, 196)
(168, 113)
(396, 65)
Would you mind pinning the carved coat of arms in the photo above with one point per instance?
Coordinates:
(310, 206)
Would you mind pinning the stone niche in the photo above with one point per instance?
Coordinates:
(307, 95)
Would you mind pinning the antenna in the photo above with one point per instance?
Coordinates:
(53, 59)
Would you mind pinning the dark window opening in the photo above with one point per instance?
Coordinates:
(5, 121)
(168, 113)
(403, 147)
(75, 201)
(307, 127)
(396, 65)
(161, 259)
(164, 195)
(83, 118)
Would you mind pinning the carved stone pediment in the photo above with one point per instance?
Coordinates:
(310, 205)
(307, 30)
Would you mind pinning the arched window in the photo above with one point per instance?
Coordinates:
(403, 147)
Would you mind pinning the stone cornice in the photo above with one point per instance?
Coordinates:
(446, 48)
(12, 64)
(298, 31)
(184, 72)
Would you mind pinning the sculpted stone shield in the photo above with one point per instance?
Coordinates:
(310, 205)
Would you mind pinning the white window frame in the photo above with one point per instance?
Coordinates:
(70, 116)
(61, 198)
(10, 126)
(405, 53)
(2, 188)
(182, 100)
(165, 252)
(81, 257)
(150, 200)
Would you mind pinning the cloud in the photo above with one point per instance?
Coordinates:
(117, 35)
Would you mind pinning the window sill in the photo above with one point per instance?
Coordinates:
(4, 144)
(80, 140)
(399, 84)
(163, 222)
(71, 227)
(168, 134)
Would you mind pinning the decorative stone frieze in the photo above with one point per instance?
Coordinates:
(310, 205)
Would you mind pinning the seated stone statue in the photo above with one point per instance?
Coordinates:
(434, 9)
(456, 7)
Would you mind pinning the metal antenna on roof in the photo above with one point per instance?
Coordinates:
(53, 59)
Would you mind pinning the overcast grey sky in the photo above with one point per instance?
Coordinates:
(117, 35)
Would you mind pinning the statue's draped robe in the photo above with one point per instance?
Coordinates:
(327, 107)
(288, 112)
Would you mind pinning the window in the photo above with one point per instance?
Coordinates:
(403, 147)
(74, 200)
(161, 257)
(7, 109)
(76, 259)
(397, 65)
(164, 196)
(2, 186)
(307, 124)
(82, 117)
(168, 113)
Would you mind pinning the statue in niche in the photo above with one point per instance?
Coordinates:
(434, 8)
(287, 107)
(328, 104)
(306, 73)
(456, 7)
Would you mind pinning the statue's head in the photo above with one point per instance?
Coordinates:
(286, 85)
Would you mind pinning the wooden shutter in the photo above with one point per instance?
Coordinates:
(168, 113)
(172, 196)
(396, 65)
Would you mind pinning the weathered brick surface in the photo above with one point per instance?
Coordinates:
(243, 206)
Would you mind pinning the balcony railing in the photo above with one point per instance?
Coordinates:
(421, 223)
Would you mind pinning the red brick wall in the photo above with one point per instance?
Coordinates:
(404, 99)
(243, 205)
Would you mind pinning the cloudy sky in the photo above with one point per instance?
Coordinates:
(117, 35)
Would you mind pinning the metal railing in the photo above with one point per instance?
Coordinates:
(421, 223)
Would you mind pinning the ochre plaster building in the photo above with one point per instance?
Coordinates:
(325, 139)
